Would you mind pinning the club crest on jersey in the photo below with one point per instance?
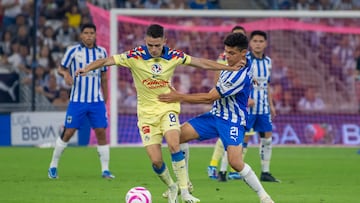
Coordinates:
(156, 69)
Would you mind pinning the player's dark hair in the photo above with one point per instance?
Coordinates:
(88, 25)
(155, 31)
(237, 40)
(238, 27)
(258, 32)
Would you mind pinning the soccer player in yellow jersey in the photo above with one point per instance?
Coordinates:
(152, 65)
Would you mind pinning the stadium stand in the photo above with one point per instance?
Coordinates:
(58, 27)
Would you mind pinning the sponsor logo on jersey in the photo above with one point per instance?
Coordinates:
(154, 84)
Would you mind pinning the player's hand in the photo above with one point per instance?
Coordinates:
(251, 102)
(68, 79)
(239, 65)
(272, 111)
(81, 72)
(255, 82)
(173, 96)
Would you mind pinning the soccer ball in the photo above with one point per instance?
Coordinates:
(138, 195)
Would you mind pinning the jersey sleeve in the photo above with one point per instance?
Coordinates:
(122, 60)
(68, 57)
(187, 59)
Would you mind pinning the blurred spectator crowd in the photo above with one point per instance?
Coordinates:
(58, 27)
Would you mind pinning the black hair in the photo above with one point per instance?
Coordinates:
(88, 25)
(258, 32)
(237, 40)
(155, 31)
(238, 27)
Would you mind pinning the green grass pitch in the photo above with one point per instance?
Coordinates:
(308, 175)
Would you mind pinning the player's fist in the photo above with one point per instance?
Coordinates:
(80, 71)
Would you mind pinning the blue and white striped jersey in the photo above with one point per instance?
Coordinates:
(261, 69)
(86, 89)
(234, 88)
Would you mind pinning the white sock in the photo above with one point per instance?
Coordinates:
(252, 180)
(224, 162)
(185, 148)
(265, 153)
(58, 150)
(104, 155)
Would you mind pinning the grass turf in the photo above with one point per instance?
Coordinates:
(308, 175)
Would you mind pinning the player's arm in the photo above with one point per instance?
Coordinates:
(109, 61)
(271, 103)
(198, 98)
(104, 85)
(65, 73)
(212, 65)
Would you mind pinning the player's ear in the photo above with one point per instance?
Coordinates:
(243, 52)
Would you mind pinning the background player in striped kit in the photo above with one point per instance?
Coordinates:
(263, 110)
(87, 99)
(227, 119)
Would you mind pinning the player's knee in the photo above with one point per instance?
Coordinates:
(266, 141)
(238, 165)
(157, 163)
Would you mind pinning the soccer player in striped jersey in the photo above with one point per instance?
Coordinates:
(87, 99)
(219, 152)
(228, 117)
(152, 65)
(261, 114)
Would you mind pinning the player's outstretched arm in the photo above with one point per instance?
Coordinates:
(95, 65)
(212, 65)
(198, 98)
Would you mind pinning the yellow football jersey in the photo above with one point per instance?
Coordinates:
(152, 77)
(222, 59)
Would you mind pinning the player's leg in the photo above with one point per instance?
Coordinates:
(249, 176)
(264, 127)
(190, 131)
(265, 152)
(184, 147)
(74, 115)
(234, 151)
(98, 121)
(152, 137)
(247, 137)
(216, 156)
(172, 136)
(223, 167)
(59, 148)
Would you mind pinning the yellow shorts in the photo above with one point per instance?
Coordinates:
(250, 133)
(152, 129)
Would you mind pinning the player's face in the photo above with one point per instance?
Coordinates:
(155, 45)
(258, 44)
(234, 55)
(88, 36)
